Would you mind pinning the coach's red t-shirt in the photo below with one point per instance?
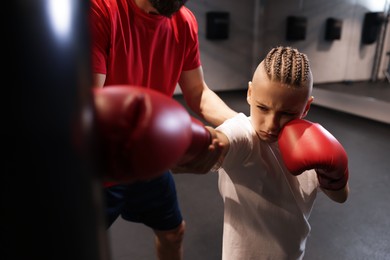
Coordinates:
(132, 47)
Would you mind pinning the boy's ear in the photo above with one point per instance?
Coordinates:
(249, 92)
(307, 108)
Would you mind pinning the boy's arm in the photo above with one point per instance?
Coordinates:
(209, 159)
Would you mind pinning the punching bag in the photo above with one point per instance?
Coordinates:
(51, 195)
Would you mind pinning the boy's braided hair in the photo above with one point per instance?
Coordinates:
(287, 65)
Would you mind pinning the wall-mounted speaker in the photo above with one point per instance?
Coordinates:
(371, 26)
(296, 28)
(333, 29)
(217, 25)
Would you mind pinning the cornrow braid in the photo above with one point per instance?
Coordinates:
(287, 65)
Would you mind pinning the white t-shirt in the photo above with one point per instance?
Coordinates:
(266, 209)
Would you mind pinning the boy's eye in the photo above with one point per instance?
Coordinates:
(262, 108)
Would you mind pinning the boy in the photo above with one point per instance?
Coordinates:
(268, 194)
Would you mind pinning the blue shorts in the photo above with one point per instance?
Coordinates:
(153, 203)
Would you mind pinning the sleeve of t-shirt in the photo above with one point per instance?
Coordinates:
(100, 35)
(240, 134)
(192, 56)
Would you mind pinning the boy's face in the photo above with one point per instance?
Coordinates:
(273, 104)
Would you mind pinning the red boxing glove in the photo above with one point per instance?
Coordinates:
(305, 145)
(200, 141)
(142, 132)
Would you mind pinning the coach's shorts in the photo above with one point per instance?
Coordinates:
(153, 203)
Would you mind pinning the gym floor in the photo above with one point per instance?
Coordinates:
(356, 230)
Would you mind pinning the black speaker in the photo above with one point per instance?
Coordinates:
(217, 25)
(333, 29)
(371, 26)
(296, 28)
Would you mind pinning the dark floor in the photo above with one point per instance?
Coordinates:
(356, 230)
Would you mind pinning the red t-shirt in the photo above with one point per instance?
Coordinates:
(132, 47)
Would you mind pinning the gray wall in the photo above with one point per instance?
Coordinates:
(258, 25)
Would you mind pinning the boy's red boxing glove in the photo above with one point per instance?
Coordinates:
(200, 141)
(143, 132)
(305, 145)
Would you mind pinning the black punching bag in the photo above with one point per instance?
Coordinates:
(51, 201)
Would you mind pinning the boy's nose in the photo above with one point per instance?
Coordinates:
(272, 125)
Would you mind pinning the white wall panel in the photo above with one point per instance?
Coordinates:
(258, 25)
